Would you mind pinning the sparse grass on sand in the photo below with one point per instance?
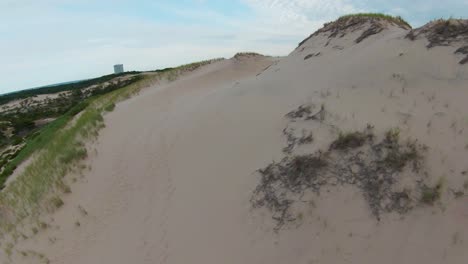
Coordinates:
(443, 32)
(246, 54)
(395, 19)
(431, 194)
(351, 21)
(358, 158)
(350, 140)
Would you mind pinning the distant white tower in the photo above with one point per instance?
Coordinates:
(118, 68)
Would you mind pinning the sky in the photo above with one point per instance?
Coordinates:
(51, 41)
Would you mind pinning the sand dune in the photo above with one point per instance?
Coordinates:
(174, 171)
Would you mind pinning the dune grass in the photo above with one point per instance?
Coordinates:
(396, 19)
(350, 140)
(57, 150)
(60, 147)
(39, 140)
(431, 194)
(173, 73)
(110, 107)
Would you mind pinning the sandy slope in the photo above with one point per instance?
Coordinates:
(173, 171)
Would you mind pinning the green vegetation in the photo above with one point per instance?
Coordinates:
(56, 202)
(22, 117)
(5, 98)
(246, 54)
(39, 140)
(186, 67)
(63, 109)
(342, 24)
(350, 140)
(397, 159)
(395, 19)
(110, 107)
(9, 249)
(59, 148)
(392, 136)
(171, 74)
(43, 225)
(432, 194)
(398, 156)
(63, 187)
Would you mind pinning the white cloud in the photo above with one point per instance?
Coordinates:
(301, 12)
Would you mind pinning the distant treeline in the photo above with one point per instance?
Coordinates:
(163, 70)
(5, 98)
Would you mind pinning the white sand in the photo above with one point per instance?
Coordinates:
(174, 169)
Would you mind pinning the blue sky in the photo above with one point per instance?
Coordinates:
(51, 41)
